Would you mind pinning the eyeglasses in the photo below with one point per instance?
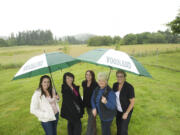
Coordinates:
(120, 76)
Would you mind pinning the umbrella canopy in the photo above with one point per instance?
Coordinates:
(115, 60)
(45, 63)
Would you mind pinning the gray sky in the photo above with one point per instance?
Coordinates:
(101, 17)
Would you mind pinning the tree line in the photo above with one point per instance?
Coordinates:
(131, 39)
(37, 37)
(40, 37)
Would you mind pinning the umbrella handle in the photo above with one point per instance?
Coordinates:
(105, 92)
(109, 73)
(53, 82)
(51, 76)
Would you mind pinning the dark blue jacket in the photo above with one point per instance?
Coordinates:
(106, 111)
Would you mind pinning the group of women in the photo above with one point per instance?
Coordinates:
(98, 98)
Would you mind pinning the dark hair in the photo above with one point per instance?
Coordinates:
(68, 74)
(50, 87)
(92, 74)
(122, 72)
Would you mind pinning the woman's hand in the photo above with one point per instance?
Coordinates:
(104, 100)
(125, 115)
(57, 97)
(94, 112)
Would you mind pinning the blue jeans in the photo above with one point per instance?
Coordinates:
(50, 127)
(106, 127)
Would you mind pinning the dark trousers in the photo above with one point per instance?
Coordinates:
(106, 127)
(91, 127)
(74, 128)
(122, 125)
(50, 127)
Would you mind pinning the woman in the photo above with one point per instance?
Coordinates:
(44, 105)
(103, 101)
(125, 102)
(72, 105)
(89, 84)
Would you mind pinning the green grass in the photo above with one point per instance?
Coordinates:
(157, 105)
(166, 60)
(20, 54)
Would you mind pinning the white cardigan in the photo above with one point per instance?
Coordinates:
(41, 108)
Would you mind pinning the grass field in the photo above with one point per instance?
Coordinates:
(19, 54)
(157, 108)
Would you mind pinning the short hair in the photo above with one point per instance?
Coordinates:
(102, 76)
(121, 72)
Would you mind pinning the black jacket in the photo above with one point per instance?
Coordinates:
(72, 105)
(87, 93)
(127, 92)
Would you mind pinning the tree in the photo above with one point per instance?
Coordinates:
(35, 37)
(72, 40)
(106, 40)
(3, 42)
(169, 37)
(100, 41)
(130, 39)
(175, 24)
(116, 40)
(158, 38)
(12, 40)
(95, 41)
(144, 38)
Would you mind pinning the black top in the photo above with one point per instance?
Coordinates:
(87, 93)
(127, 92)
(72, 105)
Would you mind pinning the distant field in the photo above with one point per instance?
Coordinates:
(157, 108)
(19, 54)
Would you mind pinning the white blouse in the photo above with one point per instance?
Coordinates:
(119, 108)
(41, 107)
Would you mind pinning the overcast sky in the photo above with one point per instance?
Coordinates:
(101, 17)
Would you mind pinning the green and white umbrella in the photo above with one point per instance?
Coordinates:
(45, 63)
(115, 60)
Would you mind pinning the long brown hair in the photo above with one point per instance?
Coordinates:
(50, 86)
(92, 74)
